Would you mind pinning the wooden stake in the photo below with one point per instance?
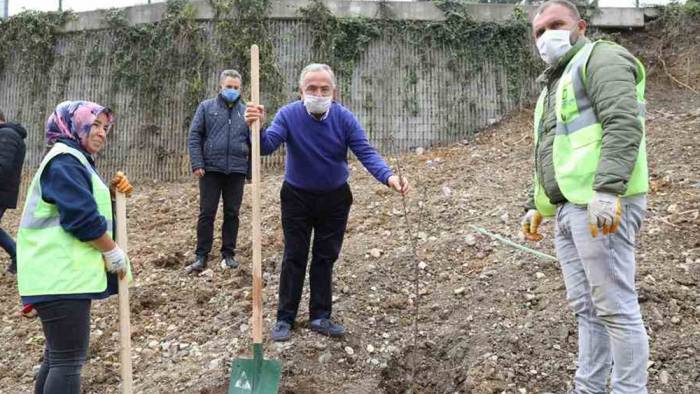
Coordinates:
(124, 314)
(255, 142)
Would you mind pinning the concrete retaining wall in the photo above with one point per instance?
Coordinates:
(423, 10)
(401, 99)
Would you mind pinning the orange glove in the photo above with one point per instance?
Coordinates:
(530, 223)
(121, 184)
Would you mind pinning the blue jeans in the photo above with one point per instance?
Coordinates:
(6, 242)
(599, 277)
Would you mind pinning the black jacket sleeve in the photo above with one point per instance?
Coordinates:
(10, 148)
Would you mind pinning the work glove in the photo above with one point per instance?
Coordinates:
(530, 223)
(604, 213)
(116, 261)
(121, 184)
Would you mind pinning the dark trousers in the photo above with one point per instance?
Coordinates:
(326, 214)
(6, 242)
(212, 186)
(66, 325)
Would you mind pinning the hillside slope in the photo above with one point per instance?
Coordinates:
(491, 319)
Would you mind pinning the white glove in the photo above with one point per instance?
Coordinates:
(604, 212)
(116, 260)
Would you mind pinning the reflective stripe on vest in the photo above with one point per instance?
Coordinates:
(51, 261)
(577, 143)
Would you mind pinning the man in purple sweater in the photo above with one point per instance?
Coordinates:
(315, 196)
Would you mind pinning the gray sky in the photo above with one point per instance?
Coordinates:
(84, 5)
(76, 5)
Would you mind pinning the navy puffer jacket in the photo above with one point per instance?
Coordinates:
(220, 138)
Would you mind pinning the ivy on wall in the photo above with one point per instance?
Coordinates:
(238, 24)
(180, 46)
(341, 41)
(506, 44)
(148, 57)
(29, 38)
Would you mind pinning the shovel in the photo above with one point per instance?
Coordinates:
(124, 318)
(258, 375)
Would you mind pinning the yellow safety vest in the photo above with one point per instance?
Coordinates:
(51, 261)
(579, 133)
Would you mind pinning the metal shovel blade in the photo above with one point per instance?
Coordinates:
(257, 376)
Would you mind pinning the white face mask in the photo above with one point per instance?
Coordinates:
(554, 44)
(317, 104)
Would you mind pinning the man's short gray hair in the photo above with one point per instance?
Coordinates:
(564, 3)
(313, 67)
(230, 73)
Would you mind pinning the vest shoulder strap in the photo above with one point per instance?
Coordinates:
(61, 148)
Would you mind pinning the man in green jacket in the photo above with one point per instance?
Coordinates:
(591, 173)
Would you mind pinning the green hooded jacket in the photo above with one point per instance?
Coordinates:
(611, 86)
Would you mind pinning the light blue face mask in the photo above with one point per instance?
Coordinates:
(230, 94)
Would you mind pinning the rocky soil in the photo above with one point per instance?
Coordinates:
(490, 319)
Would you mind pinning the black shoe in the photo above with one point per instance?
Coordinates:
(199, 265)
(229, 262)
(12, 268)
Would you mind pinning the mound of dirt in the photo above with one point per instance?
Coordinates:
(669, 48)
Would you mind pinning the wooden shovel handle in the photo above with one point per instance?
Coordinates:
(124, 318)
(255, 142)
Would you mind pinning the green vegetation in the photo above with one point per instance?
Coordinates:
(148, 57)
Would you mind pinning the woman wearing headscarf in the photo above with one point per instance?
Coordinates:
(66, 254)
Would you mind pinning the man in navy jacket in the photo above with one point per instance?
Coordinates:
(219, 146)
(12, 150)
(315, 196)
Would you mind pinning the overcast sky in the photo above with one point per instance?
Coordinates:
(16, 6)
(75, 5)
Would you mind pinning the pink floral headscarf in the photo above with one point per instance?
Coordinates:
(74, 119)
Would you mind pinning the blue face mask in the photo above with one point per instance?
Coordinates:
(230, 94)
